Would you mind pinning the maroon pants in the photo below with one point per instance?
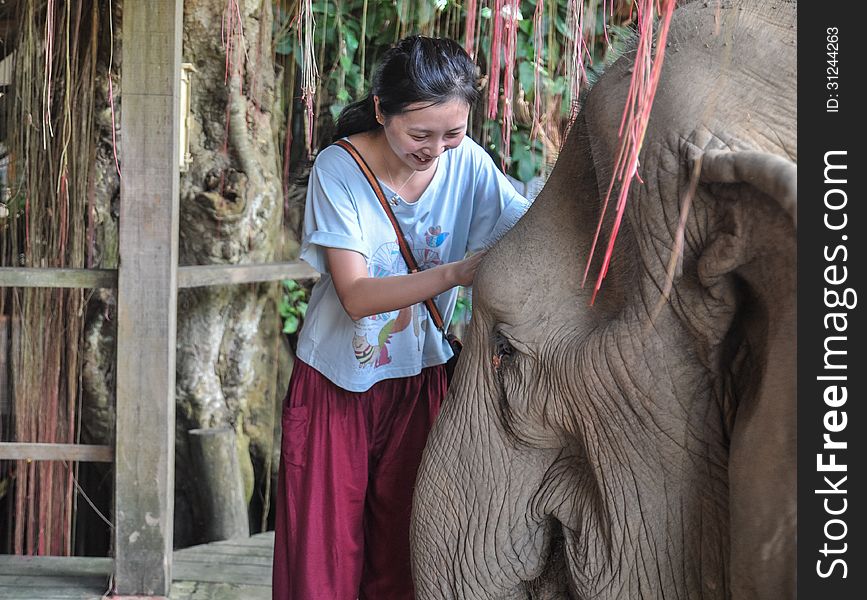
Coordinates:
(347, 471)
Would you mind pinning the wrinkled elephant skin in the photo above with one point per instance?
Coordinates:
(636, 448)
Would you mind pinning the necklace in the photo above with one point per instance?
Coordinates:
(393, 199)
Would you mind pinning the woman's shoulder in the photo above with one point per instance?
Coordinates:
(471, 148)
(333, 159)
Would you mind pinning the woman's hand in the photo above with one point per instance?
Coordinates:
(464, 271)
(362, 295)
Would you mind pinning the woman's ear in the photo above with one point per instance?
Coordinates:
(376, 111)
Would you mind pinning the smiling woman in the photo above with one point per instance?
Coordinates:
(370, 375)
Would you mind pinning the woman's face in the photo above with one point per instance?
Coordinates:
(424, 131)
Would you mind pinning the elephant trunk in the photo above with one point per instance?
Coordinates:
(466, 543)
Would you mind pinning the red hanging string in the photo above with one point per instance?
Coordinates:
(537, 68)
(470, 29)
(633, 125)
(494, 66)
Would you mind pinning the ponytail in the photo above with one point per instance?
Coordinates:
(357, 117)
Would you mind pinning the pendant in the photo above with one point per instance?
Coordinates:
(393, 200)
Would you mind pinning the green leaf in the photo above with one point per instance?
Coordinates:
(521, 153)
(351, 40)
(336, 109)
(526, 75)
(290, 325)
(527, 169)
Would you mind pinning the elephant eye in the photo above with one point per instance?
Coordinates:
(503, 351)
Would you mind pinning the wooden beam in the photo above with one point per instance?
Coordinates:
(147, 297)
(199, 276)
(72, 452)
(57, 278)
(188, 277)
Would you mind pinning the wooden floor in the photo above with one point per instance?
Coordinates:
(231, 570)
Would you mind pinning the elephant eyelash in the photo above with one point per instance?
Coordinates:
(503, 351)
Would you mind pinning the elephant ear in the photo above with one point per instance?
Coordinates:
(758, 250)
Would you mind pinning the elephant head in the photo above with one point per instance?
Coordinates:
(642, 446)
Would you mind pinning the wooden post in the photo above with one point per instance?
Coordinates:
(5, 391)
(147, 297)
(215, 461)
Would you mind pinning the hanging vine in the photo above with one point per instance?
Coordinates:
(49, 175)
(531, 81)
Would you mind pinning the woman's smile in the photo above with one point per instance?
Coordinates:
(421, 159)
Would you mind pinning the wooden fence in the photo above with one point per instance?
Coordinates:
(147, 283)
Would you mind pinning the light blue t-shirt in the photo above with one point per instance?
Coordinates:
(468, 204)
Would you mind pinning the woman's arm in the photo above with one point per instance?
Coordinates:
(362, 295)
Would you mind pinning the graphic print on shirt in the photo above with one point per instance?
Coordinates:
(373, 334)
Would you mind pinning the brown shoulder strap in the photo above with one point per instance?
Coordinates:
(405, 251)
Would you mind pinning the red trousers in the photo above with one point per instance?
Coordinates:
(347, 470)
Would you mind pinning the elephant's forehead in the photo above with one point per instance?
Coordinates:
(724, 73)
(509, 296)
(535, 271)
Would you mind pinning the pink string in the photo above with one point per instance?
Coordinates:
(470, 29)
(633, 126)
(537, 68)
(494, 67)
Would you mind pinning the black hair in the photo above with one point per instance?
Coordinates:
(416, 69)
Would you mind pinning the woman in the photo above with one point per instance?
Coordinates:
(369, 376)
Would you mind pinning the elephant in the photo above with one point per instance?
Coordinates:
(642, 445)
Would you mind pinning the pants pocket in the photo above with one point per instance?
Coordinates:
(294, 444)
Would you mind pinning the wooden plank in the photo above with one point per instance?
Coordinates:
(5, 388)
(39, 566)
(57, 582)
(248, 558)
(220, 549)
(55, 589)
(233, 553)
(232, 570)
(57, 278)
(188, 277)
(54, 577)
(264, 540)
(147, 297)
(260, 540)
(199, 276)
(195, 590)
(72, 452)
(239, 574)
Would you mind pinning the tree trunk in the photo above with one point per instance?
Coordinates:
(230, 212)
(218, 476)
